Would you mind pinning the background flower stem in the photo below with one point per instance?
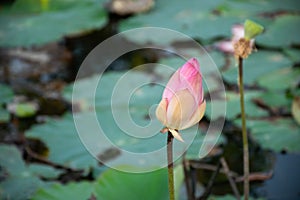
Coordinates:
(244, 131)
(170, 166)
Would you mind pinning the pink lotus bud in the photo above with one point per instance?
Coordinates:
(182, 104)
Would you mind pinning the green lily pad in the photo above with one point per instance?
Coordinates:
(233, 106)
(205, 64)
(275, 99)
(195, 19)
(81, 190)
(11, 160)
(4, 115)
(32, 6)
(20, 188)
(6, 94)
(128, 186)
(278, 134)
(254, 8)
(85, 99)
(155, 185)
(282, 33)
(202, 19)
(75, 155)
(293, 54)
(281, 79)
(18, 180)
(39, 25)
(44, 171)
(257, 65)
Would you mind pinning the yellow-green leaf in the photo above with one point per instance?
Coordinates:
(252, 29)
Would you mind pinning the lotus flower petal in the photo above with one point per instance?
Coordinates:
(182, 104)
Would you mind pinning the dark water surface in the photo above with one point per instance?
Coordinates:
(285, 183)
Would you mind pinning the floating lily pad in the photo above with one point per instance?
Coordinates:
(32, 6)
(6, 96)
(278, 135)
(281, 79)
(128, 186)
(252, 7)
(18, 180)
(257, 65)
(242, 7)
(105, 88)
(81, 190)
(293, 54)
(4, 115)
(205, 64)
(63, 132)
(195, 19)
(233, 106)
(283, 32)
(49, 22)
(204, 20)
(44, 171)
(11, 160)
(275, 99)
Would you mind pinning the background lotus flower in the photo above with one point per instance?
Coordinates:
(238, 32)
(182, 103)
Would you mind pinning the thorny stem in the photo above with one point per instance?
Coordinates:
(244, 131)
(170, 166)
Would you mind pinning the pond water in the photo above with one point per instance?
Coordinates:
(285, 183)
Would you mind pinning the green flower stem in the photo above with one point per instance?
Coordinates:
(170, 166)
(244, 131)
